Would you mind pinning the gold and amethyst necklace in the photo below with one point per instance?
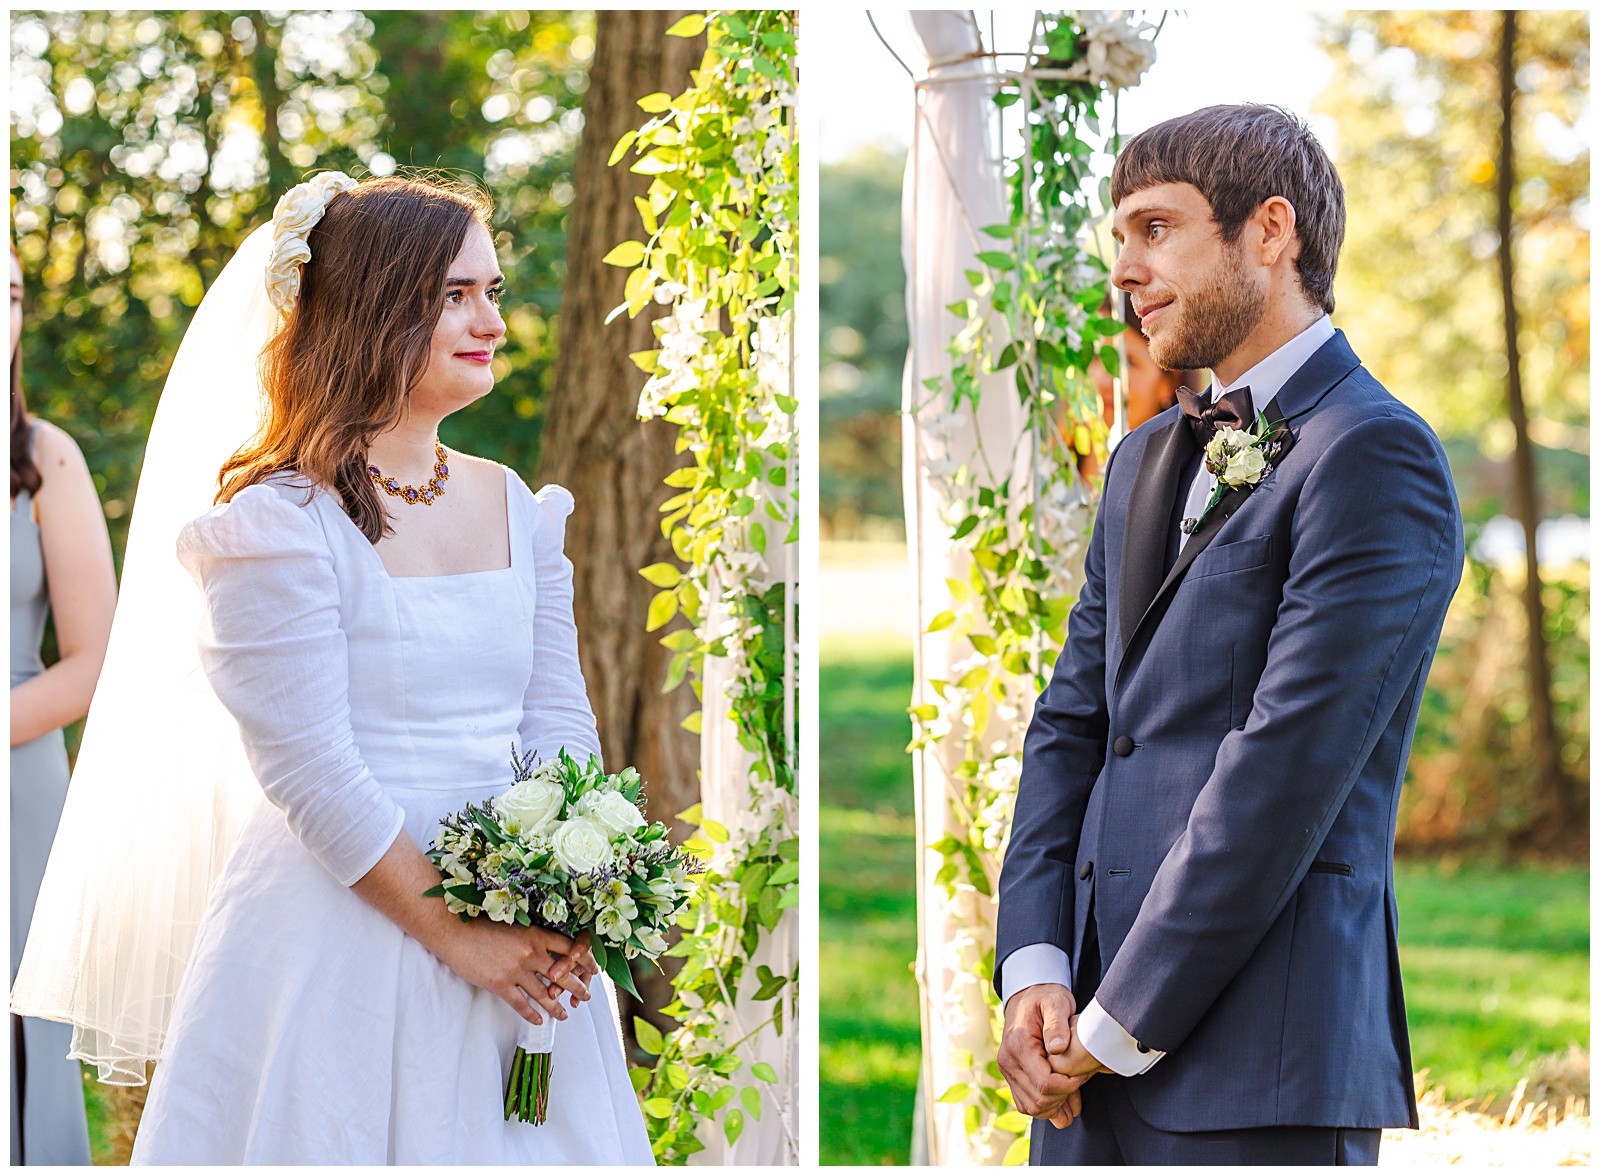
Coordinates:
(410, 494)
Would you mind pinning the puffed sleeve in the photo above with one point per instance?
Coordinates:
(556, 712)
(275, 654)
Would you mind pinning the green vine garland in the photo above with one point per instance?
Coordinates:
(1035, 309)
(721, 220)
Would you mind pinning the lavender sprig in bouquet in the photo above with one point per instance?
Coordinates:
(565, 848)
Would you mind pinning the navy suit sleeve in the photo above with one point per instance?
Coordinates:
(1062, 755)
(1375, 554)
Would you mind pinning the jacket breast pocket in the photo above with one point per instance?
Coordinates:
(1239, 556)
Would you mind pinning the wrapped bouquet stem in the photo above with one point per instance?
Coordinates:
(565, 848)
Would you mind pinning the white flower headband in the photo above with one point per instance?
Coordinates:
(297, 213)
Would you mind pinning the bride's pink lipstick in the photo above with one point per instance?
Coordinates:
(475, 356)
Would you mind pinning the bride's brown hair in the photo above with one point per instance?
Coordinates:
(340, 369)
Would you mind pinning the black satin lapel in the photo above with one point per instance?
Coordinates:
(1144, 538)
(1203, 535)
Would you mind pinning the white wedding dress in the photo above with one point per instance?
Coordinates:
(308, 1028)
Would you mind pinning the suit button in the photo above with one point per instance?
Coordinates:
(1083, 874)
(1123, 745)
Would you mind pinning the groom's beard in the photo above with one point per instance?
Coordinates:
(1213, 322)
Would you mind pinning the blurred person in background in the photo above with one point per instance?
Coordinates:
(60, 564)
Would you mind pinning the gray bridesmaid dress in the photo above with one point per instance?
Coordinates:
(48, 1124)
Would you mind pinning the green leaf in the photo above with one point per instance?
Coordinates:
(1017, 1153)
(764, 1072)
(1006, 98)
(957, 1093)
(658, 1108)
(758, 538)
(647, 1035)
(1003, 232)
(690, 26)
(733, 1125)
(751, 1097)
(615, 965)
(663, 607)
(655, 103)
(715, 830)
(621, 148)
(640, 1077)
(692, 723)
(1013, 1121)
(662, 575)
(784, 874)
(628, 254)
(723, 1097)
(994, 260)
(943, 621)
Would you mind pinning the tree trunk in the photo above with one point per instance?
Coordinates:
(1546, 743)
(594, 444)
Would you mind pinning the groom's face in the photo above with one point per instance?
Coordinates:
(1198, 299)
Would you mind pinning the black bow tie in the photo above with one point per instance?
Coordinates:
(1232, 410)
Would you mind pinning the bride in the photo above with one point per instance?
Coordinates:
(383, 618)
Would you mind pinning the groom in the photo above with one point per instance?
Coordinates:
(1196, 944)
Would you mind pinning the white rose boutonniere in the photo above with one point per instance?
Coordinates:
(1239, 459)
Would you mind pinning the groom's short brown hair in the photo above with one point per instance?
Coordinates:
(1240, 156)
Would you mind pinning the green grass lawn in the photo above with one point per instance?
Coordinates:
(1495, 961)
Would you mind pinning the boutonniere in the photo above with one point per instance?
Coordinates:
(1239, 458)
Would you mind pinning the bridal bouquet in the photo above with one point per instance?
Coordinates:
(565, 848)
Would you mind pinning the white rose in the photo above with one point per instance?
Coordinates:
(531, 806)
(1244, 467)
(581, 845)
(616, 812)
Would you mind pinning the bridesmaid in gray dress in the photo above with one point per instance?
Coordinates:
(60, 563)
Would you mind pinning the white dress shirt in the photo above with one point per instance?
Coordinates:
(1045, 963)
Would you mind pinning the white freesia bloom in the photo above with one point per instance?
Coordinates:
(296, 214)
(653, 943)
(581, 844)
(612, 925)
(554, 909)
(531, 806)
(497, 904)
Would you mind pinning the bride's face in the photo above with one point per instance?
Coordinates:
(469, 329)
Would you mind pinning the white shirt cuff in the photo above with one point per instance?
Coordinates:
(1111, 1044)
(1038, 963)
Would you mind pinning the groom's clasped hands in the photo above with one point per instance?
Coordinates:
(1041, 1056)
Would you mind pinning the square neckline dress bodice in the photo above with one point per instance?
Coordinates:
(308, 1027)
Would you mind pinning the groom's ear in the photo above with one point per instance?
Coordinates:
(1275, 220)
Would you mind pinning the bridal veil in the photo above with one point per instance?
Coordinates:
(161, 788)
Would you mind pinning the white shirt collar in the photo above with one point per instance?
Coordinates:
(1266, 378)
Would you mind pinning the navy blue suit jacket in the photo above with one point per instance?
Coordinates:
(1240, 856)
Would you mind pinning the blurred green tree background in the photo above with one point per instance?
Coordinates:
(146, 145)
